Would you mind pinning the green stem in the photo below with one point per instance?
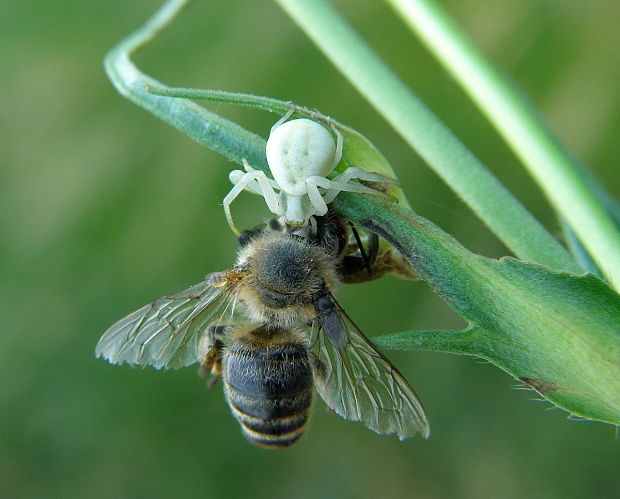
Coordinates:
(556, 172)
(436, 340)
(205, 127)
(241, 99)
(558, 332)
(460, 169)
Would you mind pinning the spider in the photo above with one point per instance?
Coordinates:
(300, 154)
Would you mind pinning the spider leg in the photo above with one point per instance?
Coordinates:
(316, 199)
(265, 188)
(283, 119)
(235, 177)
(269, 194)
(247, 167)
(353, 172)
(334, 188)
(339, 142)
(242, 182)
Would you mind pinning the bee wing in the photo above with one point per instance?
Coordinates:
(166, 332)
(360, 384)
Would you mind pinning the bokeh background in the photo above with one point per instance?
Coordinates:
(104, 208)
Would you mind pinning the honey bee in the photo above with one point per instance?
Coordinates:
(268, 376)
(271, 329)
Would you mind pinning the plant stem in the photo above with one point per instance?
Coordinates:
(437, 340)
(450, 159)
(205, 127)
(241, 99)
(555, 331)
(554, 170)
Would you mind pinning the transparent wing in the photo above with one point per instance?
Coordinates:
(360, 384)
(166, 333)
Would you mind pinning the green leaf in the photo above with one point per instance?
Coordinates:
(205, 127)
(171, 104)
(464, 173)
(558, 332)
(555, 331)
(357, 149)
(563, 181)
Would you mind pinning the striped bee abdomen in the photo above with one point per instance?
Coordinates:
(269, 390)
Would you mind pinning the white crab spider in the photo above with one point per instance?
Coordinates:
(300, 153)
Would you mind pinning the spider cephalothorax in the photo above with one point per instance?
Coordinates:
(301, 154)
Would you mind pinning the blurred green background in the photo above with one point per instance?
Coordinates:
(105, 208)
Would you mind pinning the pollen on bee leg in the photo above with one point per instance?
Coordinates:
(210, 348)
(216, 279)
(211, 365)
(213, 377)
(223, 278)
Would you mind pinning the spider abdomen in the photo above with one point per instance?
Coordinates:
(297, 150)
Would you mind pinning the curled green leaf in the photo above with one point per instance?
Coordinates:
(557, 332)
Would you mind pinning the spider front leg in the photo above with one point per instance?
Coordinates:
(235, 177)
(315, 197)
(351, 173)
(339, 144)
(263, 187)
(333, 188)
(284, 118)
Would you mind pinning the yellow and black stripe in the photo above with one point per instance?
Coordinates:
(269, 390)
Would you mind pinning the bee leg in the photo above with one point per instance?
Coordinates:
(216, 374)
(365, 259)
(360, 268)
(275, 225)
(247, 236)
(211, 364)
(318, 367)
(212, 346)
(330, 234)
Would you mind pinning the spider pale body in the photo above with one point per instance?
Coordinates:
(300, 154)
(297, 150)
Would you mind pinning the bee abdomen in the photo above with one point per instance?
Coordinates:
(269, 391)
